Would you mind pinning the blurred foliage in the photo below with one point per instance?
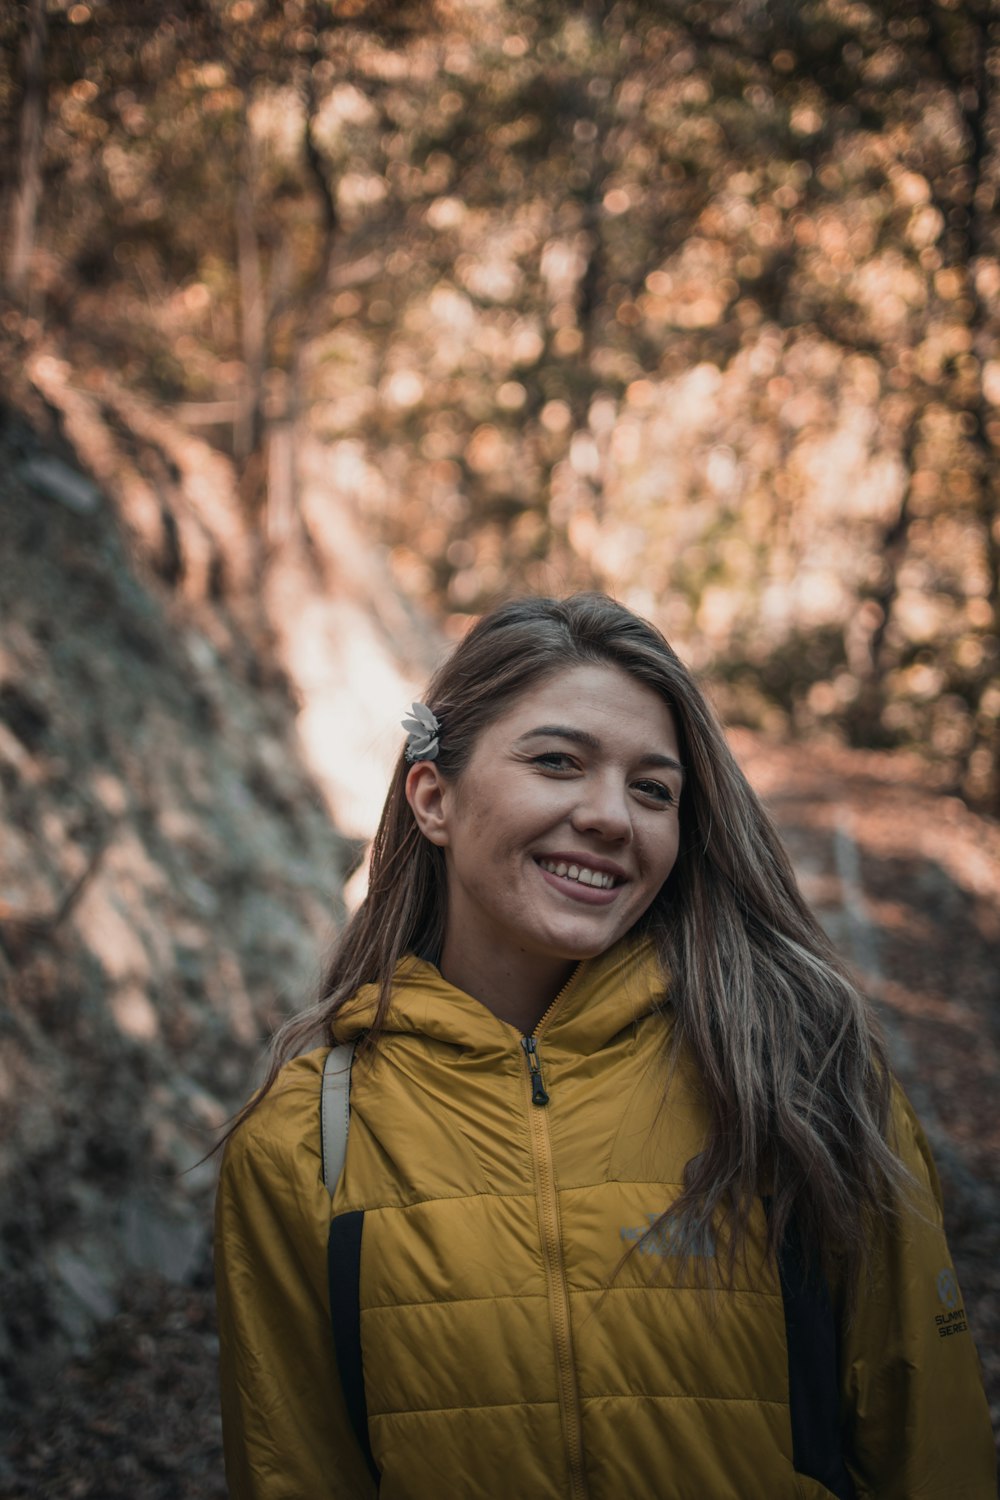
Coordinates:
(697, 302)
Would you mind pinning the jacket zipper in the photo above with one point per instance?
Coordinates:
(538, 1094)
(555, 1267)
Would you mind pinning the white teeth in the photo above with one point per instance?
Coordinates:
(577, 872)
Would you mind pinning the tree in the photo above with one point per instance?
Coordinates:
(24, 210)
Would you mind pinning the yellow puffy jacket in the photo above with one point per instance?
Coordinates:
(489, 1340)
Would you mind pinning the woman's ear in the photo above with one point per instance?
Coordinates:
(426, 792)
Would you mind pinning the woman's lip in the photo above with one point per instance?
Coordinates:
(587, 895)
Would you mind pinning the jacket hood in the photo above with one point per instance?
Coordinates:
(603, 996)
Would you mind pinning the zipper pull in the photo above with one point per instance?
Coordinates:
(538, 1094)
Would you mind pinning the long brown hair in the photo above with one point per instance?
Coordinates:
(793, 1068)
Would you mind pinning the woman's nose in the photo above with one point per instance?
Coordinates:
(603, 808)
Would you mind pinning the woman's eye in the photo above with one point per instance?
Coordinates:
(554, 760)
(655, 790)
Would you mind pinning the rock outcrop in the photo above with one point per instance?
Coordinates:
(170, 868)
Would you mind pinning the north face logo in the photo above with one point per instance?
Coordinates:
(953, 1321)
(659, 1240)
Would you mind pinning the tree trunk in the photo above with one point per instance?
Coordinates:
(253, 317)
(29, 184)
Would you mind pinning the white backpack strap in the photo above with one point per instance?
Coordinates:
(335, 1112)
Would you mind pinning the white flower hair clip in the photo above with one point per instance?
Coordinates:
(423, 730)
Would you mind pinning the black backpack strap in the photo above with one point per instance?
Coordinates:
(344, 1247)
(344, 1270)
(812, 1337)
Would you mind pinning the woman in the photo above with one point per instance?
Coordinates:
(630, 1203)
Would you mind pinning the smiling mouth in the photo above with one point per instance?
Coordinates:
(597, 879)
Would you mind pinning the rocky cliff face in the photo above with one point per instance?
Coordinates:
(170, 874)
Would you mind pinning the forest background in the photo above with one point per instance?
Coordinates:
(325, 326)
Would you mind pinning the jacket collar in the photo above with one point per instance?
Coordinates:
(602, 997)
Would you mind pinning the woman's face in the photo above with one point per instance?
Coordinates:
(562, 827)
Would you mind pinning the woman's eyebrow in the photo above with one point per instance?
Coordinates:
(591, 742)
